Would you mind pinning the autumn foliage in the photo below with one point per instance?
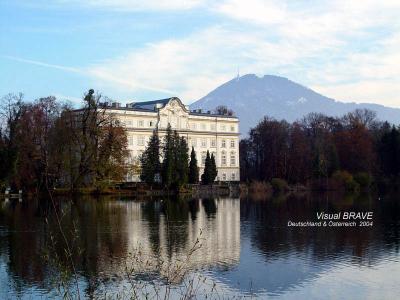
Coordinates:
(317, 146)
(44, 144)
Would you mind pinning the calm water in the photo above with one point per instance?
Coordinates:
(244, 248)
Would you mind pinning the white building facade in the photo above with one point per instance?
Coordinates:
(219, 134)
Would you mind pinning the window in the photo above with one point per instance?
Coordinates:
(140, 123)
(140, 140)
(130, 140)
(203, 158)
(130, 158)
(129, 123)
(212, 127)
(232, 128)
(203, 126)
(203, 143)
(223, 143)
(193, 126)
(151, 124)
(223, 128)
(233, 159)
(233, 176)
(224, 176)
(232, 143)
(223, 158)
(139, 154)
(213, 143)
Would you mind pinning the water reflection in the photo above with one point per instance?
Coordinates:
(103, 234)
(246, 244)
(288, 258)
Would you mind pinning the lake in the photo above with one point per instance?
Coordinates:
(221, 248)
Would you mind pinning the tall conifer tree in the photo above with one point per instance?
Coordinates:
(182, 164)
(193, 168)
(150, 160)
(168, 168)
(206, 177)
(213, 169)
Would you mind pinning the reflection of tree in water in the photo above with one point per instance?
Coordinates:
(98, 223)
(210, 206)
(175, 212)
(275, 239)
(89, 226)
(103, 232)
(194, 206)
(22, 244)
(151, 213)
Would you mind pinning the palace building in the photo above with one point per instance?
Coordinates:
(219, 134)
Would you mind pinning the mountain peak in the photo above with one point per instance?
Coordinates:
(252, 97)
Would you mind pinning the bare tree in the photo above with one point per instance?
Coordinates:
(223, 110)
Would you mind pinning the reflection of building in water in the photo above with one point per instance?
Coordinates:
(216, 223)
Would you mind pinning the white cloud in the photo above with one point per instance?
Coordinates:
(195, 65)
(43, 64)
(345, 49)
(189, 67)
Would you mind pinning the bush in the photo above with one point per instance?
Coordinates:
(260, 187)
(346, 180)
(279, 185)
(363, 179)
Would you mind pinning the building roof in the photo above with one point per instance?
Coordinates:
(152, 105)
(206, 114)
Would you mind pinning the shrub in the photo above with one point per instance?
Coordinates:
(346, 180)
(259, 187)
(279, 185)
(363, 179)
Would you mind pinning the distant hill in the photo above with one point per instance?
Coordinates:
(252, 97)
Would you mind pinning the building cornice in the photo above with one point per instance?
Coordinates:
(183, 131)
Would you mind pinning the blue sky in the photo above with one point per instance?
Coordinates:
(140, 50)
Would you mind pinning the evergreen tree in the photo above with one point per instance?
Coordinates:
(213, 169)
(168, 167)
(150, 160)
(182, 166)
(176, 159)
(193, 168)
(206, 177)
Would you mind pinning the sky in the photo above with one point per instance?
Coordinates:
(143, 50)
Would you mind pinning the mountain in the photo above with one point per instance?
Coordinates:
(252, 97)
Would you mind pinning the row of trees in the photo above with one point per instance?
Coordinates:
(176, 169)
(44, 144)
(318, 145)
